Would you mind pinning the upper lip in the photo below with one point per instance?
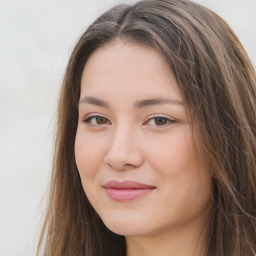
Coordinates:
(127, 184)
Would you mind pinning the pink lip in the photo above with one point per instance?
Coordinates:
(127, 190)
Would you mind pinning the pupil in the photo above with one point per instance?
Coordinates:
(100, 120)
(160, 121)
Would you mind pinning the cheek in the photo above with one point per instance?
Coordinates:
(182, 171)
(88, 155)
(171, 155)
(89, 158)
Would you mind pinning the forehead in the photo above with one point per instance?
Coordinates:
(128, 69)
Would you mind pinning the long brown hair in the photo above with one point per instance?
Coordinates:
(218, 85)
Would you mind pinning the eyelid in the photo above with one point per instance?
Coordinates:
(168, 118)
(89, 117)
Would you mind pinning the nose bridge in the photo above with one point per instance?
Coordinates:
(122, 140)
(124, 151)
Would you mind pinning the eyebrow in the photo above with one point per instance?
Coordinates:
(156, 101)
(94, 101)
(138, 104)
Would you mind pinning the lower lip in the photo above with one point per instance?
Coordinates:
(127, 194)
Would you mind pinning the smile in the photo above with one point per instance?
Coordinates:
(127, 190)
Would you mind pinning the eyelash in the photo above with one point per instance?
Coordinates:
(166, 119)
(89, 119)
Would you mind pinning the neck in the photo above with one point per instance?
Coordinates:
(180, 241)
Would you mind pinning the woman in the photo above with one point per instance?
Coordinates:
(156, 141)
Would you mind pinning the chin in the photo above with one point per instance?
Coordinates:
(127, 230)
(126, 227)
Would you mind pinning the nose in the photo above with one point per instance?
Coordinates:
(124, 151)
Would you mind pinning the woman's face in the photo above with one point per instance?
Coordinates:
(134, 149)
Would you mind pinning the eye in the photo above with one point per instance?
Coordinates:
(159, 121)
(96, 120)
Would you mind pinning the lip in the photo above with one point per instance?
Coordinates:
(127, 190)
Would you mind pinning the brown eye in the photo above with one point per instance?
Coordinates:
(100, 120)
(96, 120)
(160, 121)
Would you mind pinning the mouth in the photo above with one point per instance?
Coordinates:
(127, 190)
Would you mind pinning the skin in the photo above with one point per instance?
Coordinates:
(129, 143)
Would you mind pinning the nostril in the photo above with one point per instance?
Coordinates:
(129, 166)
(117, 166)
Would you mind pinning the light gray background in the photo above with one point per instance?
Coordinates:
(36, 39)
